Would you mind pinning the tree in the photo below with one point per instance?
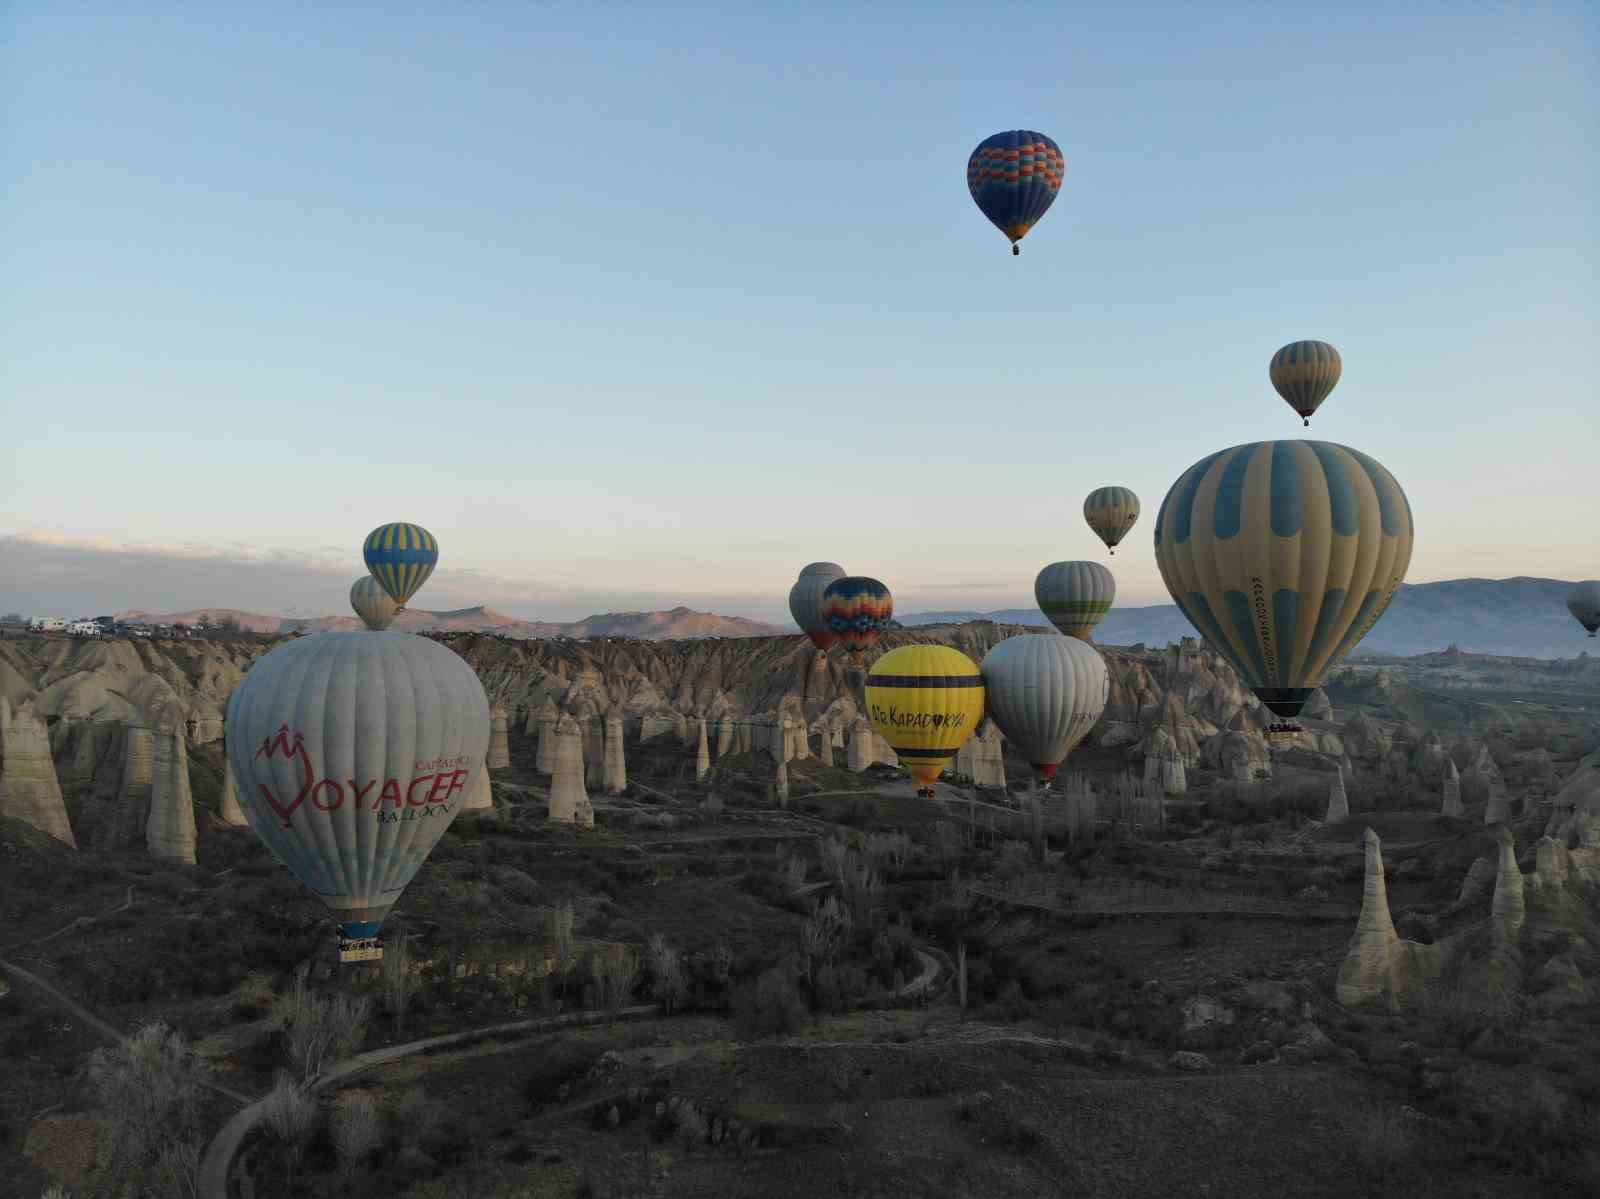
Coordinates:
(150, 1088)
(357, 1130)
(399, 981)
(291, 1115)
(667, 984)
(562, 941)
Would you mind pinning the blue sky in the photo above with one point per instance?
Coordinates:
(641, 304)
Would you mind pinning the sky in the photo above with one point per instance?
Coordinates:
(636, 305)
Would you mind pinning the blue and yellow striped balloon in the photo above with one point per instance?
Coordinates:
(1304, 372)
(401, 557)
(1283, 554)
(1111, 512)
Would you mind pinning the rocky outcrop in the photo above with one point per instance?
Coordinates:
(615, 774)
(499, 756)
(780, 784)
(702, 755)
(1430, 761)
(1380, 968)
(131, 813)
(1338, 802)
(480, 796)
(169, 831)
(988, 757)
(1365, 741)
(569, 799)
(1163, 764)
(1239, 752)
(1509, 912)
(860, 750)
(825, 746)
(228, 805)
(29, 789)
(549, 715)
(1450, 787)
(725, 737)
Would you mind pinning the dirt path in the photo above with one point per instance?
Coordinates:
(212, 1182)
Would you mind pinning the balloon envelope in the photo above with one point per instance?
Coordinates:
(925, 700)
(1304, 372)
(1075, 596)
(1013, 178)
(1111, 512)
(353, 752)
(856, 610)
(1584, 603)
(401, 557)
(805, 602)
(1283, 554)
(1045, 692)
(372, 603)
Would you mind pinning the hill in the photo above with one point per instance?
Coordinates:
(676, 623)
(1517, 617)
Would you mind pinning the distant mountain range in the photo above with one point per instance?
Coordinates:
(1518, 617)
(651, 626)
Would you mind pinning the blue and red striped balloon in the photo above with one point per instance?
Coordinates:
(1014, 177)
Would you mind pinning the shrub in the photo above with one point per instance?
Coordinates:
(398, 980)
(1381, 1144)
(770, 1007)
(151, 1088)
(357, 1130)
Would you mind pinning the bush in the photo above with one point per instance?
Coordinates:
(150, 1088)
(1381, 1144)
(357, 1131)
(771, 1007)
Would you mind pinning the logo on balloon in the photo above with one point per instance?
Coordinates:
(895, 718)
(423, 795)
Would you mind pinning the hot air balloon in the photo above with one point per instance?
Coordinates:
(353, 752)
(401, 557)
(805, 602)
(1111, 512)
(1304, 372)
(1045, 693)
(1075, 596)
(925, 700)
(856, 610)
(1583, 601)
(1283, 554)
(1014, 178)
(372, 603)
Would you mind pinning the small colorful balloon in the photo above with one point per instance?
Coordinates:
(1304, 372)
(1013, 178)
(1075, 596)
(856, 610)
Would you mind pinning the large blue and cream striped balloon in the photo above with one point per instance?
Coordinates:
(1283, 554)
(400, 557)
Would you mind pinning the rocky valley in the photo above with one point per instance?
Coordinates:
(699, 937)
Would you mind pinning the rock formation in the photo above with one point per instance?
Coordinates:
(1450, 785)
(988, 758)
(1379, 967)
(549, 715)
(725, 737)
(1498, 809)
(592, 733)
(702, 756)
(1163, 764)
(228, 806)
(1509, 912)
(499, 741)
(29, 789)
(781, 784)
(1431, 762)
(1338, 803)
(169, 831)
(480, 798)
(825, 746)
(569, 800)
(861, 746)
(615, 774)
(132, 811)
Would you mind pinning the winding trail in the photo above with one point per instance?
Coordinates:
(212, 1180)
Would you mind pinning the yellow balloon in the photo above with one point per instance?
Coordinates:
(925, 700)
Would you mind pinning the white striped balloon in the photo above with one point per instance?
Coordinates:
(352, 753)
(1045, 692)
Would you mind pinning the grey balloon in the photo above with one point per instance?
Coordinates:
(805, 601)
(1583, 601)
(1045, 692)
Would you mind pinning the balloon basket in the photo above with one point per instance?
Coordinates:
(360, 949)
(1283, 734)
